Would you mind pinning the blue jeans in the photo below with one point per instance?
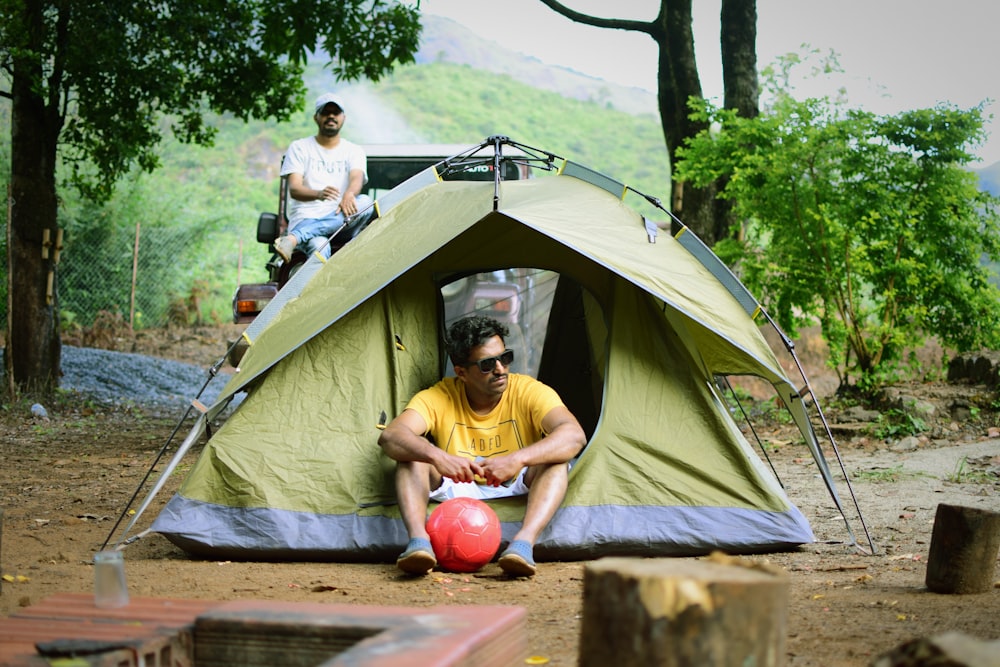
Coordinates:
(313, 233)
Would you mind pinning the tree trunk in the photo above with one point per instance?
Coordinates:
(677, 82)
(33, 346)
(1, 546)
(739, 56)
(708, 217)
(949, 649)
(738, 36)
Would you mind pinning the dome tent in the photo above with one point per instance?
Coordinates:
(639, 326)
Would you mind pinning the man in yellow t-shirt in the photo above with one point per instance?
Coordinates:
(485, 433)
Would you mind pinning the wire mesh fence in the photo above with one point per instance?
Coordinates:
(147, 275)
(151, 277)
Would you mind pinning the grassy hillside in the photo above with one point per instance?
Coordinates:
(198, 212)
(439, 102)
(457, 104)
(445, 41)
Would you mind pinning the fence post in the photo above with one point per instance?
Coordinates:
(135, 270)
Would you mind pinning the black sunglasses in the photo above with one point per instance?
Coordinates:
(489, 363)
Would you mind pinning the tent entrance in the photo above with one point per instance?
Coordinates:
(557, 329)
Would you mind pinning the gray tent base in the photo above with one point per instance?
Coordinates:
(575, 533)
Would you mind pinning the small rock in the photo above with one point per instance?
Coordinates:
(912, 405)
(977, 367)
(857, 413)
(38, 411)
(960, 412)
(923, 409)
(907, 444)
(951, 648)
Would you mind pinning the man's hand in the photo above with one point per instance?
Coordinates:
(499, 469)
(328, 193)
(458, 468)
(348, 205)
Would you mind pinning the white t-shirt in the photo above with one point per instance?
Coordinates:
(321, 167)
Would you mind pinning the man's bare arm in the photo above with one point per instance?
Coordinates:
(403, 440)
(298, 190)
(348, 203)
(565, 440)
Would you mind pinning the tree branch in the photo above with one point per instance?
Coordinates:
(648, 27)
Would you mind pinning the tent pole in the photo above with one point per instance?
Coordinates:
(790, 346)
(212, 372)
(498, 142)
(756, 437)
(192, 437)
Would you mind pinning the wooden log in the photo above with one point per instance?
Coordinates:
(963, 552)
(719, 611)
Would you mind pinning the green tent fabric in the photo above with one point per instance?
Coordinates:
(639, 328)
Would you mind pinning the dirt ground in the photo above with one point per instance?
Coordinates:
(65, 481)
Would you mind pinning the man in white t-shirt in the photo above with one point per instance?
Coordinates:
(325, 175)
(485, 433)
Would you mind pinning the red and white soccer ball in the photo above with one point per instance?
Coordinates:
(465, 534)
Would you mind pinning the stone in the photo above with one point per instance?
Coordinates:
(953, 649)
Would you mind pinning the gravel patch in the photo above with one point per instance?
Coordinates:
(125, 378)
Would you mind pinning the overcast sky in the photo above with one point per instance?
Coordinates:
(897, 54)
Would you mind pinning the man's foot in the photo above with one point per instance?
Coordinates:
(285, 246)
(418, 558)
(517, 560)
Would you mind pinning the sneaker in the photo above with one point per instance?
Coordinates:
(418, 558)
(517, 560)
(285, 246)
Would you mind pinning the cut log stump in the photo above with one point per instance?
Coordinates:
(963, 552)
(719, 611)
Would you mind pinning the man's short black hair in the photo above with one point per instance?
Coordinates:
(470, 332)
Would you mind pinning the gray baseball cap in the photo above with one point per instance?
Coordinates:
(327, 98)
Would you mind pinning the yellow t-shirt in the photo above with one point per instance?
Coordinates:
(514, 423)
